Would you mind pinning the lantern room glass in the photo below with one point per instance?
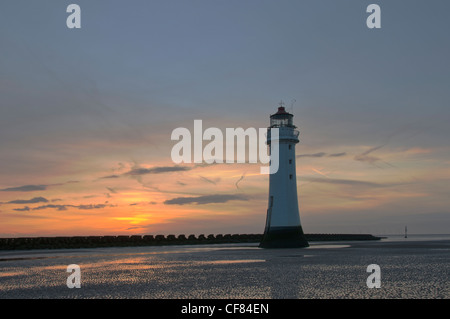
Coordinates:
(281, 120)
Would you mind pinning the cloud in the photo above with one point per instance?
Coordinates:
(24, 209)
(91, 206)
(58, 207)
(64, 207)
(33, 188)
(205, 199)
(157, 170)
(143, 203)
(29, 201)
(319, 172)
(25, 188)
(134, 227)
(364, 157)
(110, 176)
(321, 154)
(336, 181)
(214, 182)
(138, 171)
(112, 190)
(239, 180)
(337, 154)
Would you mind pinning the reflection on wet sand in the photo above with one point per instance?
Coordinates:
(325, 270)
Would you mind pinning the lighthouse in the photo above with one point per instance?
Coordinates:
(283, 228)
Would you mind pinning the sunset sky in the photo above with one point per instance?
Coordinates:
(86, 115)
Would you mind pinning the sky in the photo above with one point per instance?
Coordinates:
(86, 115)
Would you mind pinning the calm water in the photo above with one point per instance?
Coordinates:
(417, 267)
(413, 237)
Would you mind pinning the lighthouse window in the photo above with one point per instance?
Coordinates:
(290, 161)
(290, 176)
(290, 146)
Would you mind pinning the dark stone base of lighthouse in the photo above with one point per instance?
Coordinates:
(284, 237)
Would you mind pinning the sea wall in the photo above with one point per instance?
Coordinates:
(153, 240)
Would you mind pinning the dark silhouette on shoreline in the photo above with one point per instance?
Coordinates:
(157, 240)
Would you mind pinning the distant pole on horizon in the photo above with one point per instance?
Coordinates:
(406, 232)
(283, 228)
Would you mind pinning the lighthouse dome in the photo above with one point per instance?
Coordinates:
(281, 118)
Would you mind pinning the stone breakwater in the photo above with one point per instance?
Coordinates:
(151, 240)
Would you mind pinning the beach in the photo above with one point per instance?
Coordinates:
(413, 268)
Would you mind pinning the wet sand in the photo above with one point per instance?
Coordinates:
(409, 269)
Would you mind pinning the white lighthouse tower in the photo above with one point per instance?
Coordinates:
(283, 228)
